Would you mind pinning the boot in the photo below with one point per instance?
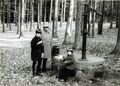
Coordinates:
(38, 68)
(44, 69)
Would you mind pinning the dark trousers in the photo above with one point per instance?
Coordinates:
(36, 66)
(64, 73)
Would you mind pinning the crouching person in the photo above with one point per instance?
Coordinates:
(37, 49)
(68, 68)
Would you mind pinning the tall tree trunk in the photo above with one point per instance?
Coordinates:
(117, 47)
(89, 19)
(100, 23)
(19, 18)
(61, 16)
(15, 12)
(3, 16)
(55, 21)
(117, 14)
(9, 16)
(51, 7)
(0, 11)
(22, 18)
(45, 1)
(38, 18)
(41, 13)
(69, 23)
(64, 10)
(32, 15)
(93, 18)
(78, 25)
(111, 16)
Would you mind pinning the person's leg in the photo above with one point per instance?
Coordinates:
(44, 64)
(38, 67)
(33, 67)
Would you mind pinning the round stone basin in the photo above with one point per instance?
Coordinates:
(90, 62)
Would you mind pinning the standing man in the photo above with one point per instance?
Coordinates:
(37, 50)
(46, 36)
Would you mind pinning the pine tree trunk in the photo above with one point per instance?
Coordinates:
(38, 18)
(32, 15)
(93, 19)
(51, 7)
(78, 25)
(41, 12)
(44, 12)
(64, 10)
(117, 47)
(111, 16)
(15, 19)
(9, 16)
(69, 24)
(55, 21)
(22, 18)
(61, 20)
(3, 16)
(100, 23)
(19, 17)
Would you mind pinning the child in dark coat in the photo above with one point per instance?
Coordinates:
(37, 49)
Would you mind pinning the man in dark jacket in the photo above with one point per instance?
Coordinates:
(37, 49)
(68, 68)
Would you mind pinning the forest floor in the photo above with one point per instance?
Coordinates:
(15, 61)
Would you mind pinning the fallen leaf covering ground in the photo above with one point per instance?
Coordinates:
(15, 62)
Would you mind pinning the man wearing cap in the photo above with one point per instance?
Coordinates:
(46, 36)
(37, 50)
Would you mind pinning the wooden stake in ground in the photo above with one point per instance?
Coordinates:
(69, 24)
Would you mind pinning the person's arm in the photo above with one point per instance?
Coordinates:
(69, 61)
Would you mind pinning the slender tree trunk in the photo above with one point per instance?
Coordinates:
(117, 47)
(51, 7)
(0, 11)
(55, 21)
(61, 20)
(93, 19)
(3, 16)
(117, 14)
(41, 13)
(38, 19)
(111, 16)
(9, 16)
(69, 23)
(78, 25)
(100, 23)
(15, 19)
(22, 18)
(64, 10)
(89, 19)
(45, 1)
(19, 18)
(32, 15)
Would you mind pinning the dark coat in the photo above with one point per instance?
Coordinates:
(69, 62)
(36, 50)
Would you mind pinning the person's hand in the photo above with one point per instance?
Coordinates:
(42, 55)
(39, 42)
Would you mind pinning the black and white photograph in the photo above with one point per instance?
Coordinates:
(59, 43)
